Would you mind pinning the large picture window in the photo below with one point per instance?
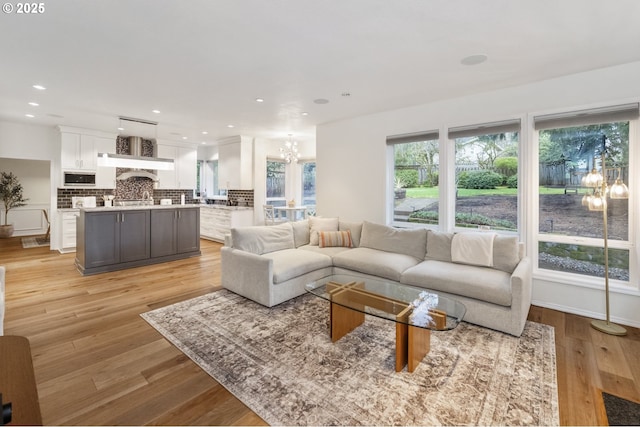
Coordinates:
(309, 184)
(486, 171)
(570, 236)
(416, 191)
(276, 180)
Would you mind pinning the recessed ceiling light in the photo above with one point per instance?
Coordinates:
(204, 132)
(120, 128)
(259, 100)
(230, 126)
(184, 137)
(304, 113)
(34, 104)
(31, 116)
(320, 101)
(155, 111)
(203, 143)
(39, 87)
(474, 59)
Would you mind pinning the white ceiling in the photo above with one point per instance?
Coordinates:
(203, 63)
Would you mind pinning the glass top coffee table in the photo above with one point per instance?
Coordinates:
(416, 311)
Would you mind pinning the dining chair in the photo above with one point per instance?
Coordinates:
(270, 217)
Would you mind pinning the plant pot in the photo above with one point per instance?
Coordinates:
(6, 231)
(400, 193)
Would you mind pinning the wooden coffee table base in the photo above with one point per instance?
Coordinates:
(412, 343)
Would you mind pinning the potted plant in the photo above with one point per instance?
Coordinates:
(399, 190)
(12, 197)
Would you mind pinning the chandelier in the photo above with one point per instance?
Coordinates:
(289, 151)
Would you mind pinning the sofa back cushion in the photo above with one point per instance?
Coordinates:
(300, 232)
(262, 239)
(355, 228)
(506, 253)
(317, 224)
(412, 242)
(439, 246)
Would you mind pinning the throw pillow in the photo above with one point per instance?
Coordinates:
(329, 239)
(317, 224)
(473, 248)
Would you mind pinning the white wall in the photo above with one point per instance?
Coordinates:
(352, 163)
(23, 141)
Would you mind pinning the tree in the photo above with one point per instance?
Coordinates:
(10, 193)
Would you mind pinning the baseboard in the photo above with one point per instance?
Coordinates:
(586, 313)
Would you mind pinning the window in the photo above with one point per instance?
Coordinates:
(486, 174)
(206, 178)
(276, 179)
(416, 193)
(309, 184)
(570, 236)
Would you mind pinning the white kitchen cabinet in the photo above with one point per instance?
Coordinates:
(78, 152)
(217, 221)
(105, 177)
(68, 219)
(183, 176)
(235, 163)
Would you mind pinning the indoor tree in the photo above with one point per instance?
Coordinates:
(12, 197)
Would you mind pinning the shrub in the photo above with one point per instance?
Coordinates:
(463, 177)
(482, 179)
(512, 181)
(432, 181)
(408, 177)
(507, 166)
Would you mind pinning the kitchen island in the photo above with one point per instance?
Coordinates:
(115, 238)
(216, 221)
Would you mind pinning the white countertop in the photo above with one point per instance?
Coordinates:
(228, 208)
(136, 208)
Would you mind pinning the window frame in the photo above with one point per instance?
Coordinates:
(534, 237)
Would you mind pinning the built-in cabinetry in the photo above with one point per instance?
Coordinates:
(113, 239)
(79, 150)
(172, 231)
(184, 174)
(68, 219)
(217, 221)
(235, 163)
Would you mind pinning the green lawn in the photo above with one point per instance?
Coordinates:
(432, 192)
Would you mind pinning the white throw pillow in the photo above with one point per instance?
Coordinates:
(317, 224)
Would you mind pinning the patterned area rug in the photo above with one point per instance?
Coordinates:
(281, 363)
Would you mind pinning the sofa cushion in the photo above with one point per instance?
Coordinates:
(412, 242)
(384, 264)
(326, 251)
(439, 246)
(291, 263)
(300, 232)
(262, 239)
(355, 228)
(328, 239)
(506, 253)
(481, 283)
(317, 224)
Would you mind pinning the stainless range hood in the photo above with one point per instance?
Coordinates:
(135, 161)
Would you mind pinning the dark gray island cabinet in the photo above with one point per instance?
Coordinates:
(111, 239)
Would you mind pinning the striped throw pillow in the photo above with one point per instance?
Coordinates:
(335, 238)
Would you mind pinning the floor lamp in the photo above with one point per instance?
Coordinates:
(598, 202)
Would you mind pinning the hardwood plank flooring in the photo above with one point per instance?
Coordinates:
(97, 362)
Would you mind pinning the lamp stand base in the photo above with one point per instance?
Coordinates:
(608, 327)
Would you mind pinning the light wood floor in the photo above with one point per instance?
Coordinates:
(98, 363)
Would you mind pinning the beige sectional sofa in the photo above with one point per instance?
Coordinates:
(272, 264)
